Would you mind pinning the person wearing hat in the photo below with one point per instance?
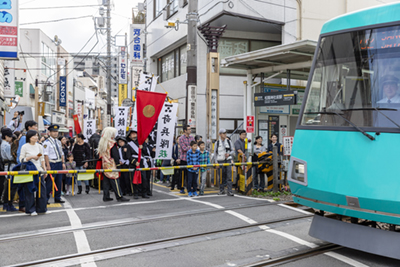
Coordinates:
(223, 153)
(124, 159)
(82, 153)
(54, 159)
(9, 163)
(390, 90)
(134, 148)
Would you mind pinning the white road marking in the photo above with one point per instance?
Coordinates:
(205, 203)
(240, 216)
(295, 209)
(81, 241)
(297, 240)
(345, 259)
(100, 207)
(256, 198)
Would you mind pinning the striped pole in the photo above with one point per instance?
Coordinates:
(40, 186)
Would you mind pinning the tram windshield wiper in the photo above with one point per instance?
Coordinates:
(379, 110)
(332, 112)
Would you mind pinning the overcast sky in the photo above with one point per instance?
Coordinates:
(75, 33)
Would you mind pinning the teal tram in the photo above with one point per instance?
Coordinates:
(346, 152)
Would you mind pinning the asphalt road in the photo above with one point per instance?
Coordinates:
(85, 223)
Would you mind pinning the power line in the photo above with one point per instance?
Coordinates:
(56, 7)
(57, 20)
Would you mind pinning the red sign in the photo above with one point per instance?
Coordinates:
(250, 124)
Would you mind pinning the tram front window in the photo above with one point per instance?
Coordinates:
(356, 78)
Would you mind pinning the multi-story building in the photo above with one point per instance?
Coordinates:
(42, 60)
(96, 65)
(249, 27)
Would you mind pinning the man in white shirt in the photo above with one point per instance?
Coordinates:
(223, 153)
(390, 88)
(54, 157)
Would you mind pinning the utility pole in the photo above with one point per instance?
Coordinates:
(191, 68)
(109, 62)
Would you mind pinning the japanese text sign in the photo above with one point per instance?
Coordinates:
(121, 120)
(147, 82)
(89, 128)
(9, 29)
(123, 66)
(166, 130)
(9, 79)
(250, 124)
(137, 41)
(287, 145)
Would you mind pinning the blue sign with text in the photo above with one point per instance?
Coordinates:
(63, 91)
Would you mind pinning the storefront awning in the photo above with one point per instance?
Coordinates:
(294, 57)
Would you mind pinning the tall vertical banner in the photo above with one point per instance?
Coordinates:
(63, 91)
(134, 119)
(122, 93)
(148, 82)
(137, 41)
(123, 66)
(192, 96)
(9, 79)
(89, 128)
(166, 131)
(9, 29)
(121, 120)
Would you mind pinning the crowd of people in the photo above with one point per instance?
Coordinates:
(27, 150)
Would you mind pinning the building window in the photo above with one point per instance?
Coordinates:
(172, 7)
(229, 47)
(157, 8)
(183, 59)
(48, 65)
(172, 64)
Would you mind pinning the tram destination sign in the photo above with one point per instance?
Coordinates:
(275, 98)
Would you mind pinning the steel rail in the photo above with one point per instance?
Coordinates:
(296, 256)
(157, 241)
(208, 166)
(121, 222)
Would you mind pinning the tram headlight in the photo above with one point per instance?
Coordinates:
(298, 171)
(299, 168)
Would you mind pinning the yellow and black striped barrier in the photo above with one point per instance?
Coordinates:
(207, 166)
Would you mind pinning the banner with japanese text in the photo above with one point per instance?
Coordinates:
(147, 82)
(166, 131)
(121, 120)
(89, 128)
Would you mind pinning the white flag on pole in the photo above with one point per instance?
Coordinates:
(166, 131)
(121, 120)
(148, 82)
(89, 128)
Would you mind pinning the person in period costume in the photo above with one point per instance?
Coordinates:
(109, 159)
(124, 153)
(138, 188)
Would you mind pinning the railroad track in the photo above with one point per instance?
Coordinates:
(123, 222)
(113, 252)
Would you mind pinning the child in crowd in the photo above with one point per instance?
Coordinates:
(70, 165)
(193, 156)
(204, 158)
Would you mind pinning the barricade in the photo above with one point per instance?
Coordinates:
(94, 171)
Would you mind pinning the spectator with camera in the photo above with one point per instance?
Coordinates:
(223, 153)
(16, 122)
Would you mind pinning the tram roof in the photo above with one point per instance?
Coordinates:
(365, 17)
(277, 60)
